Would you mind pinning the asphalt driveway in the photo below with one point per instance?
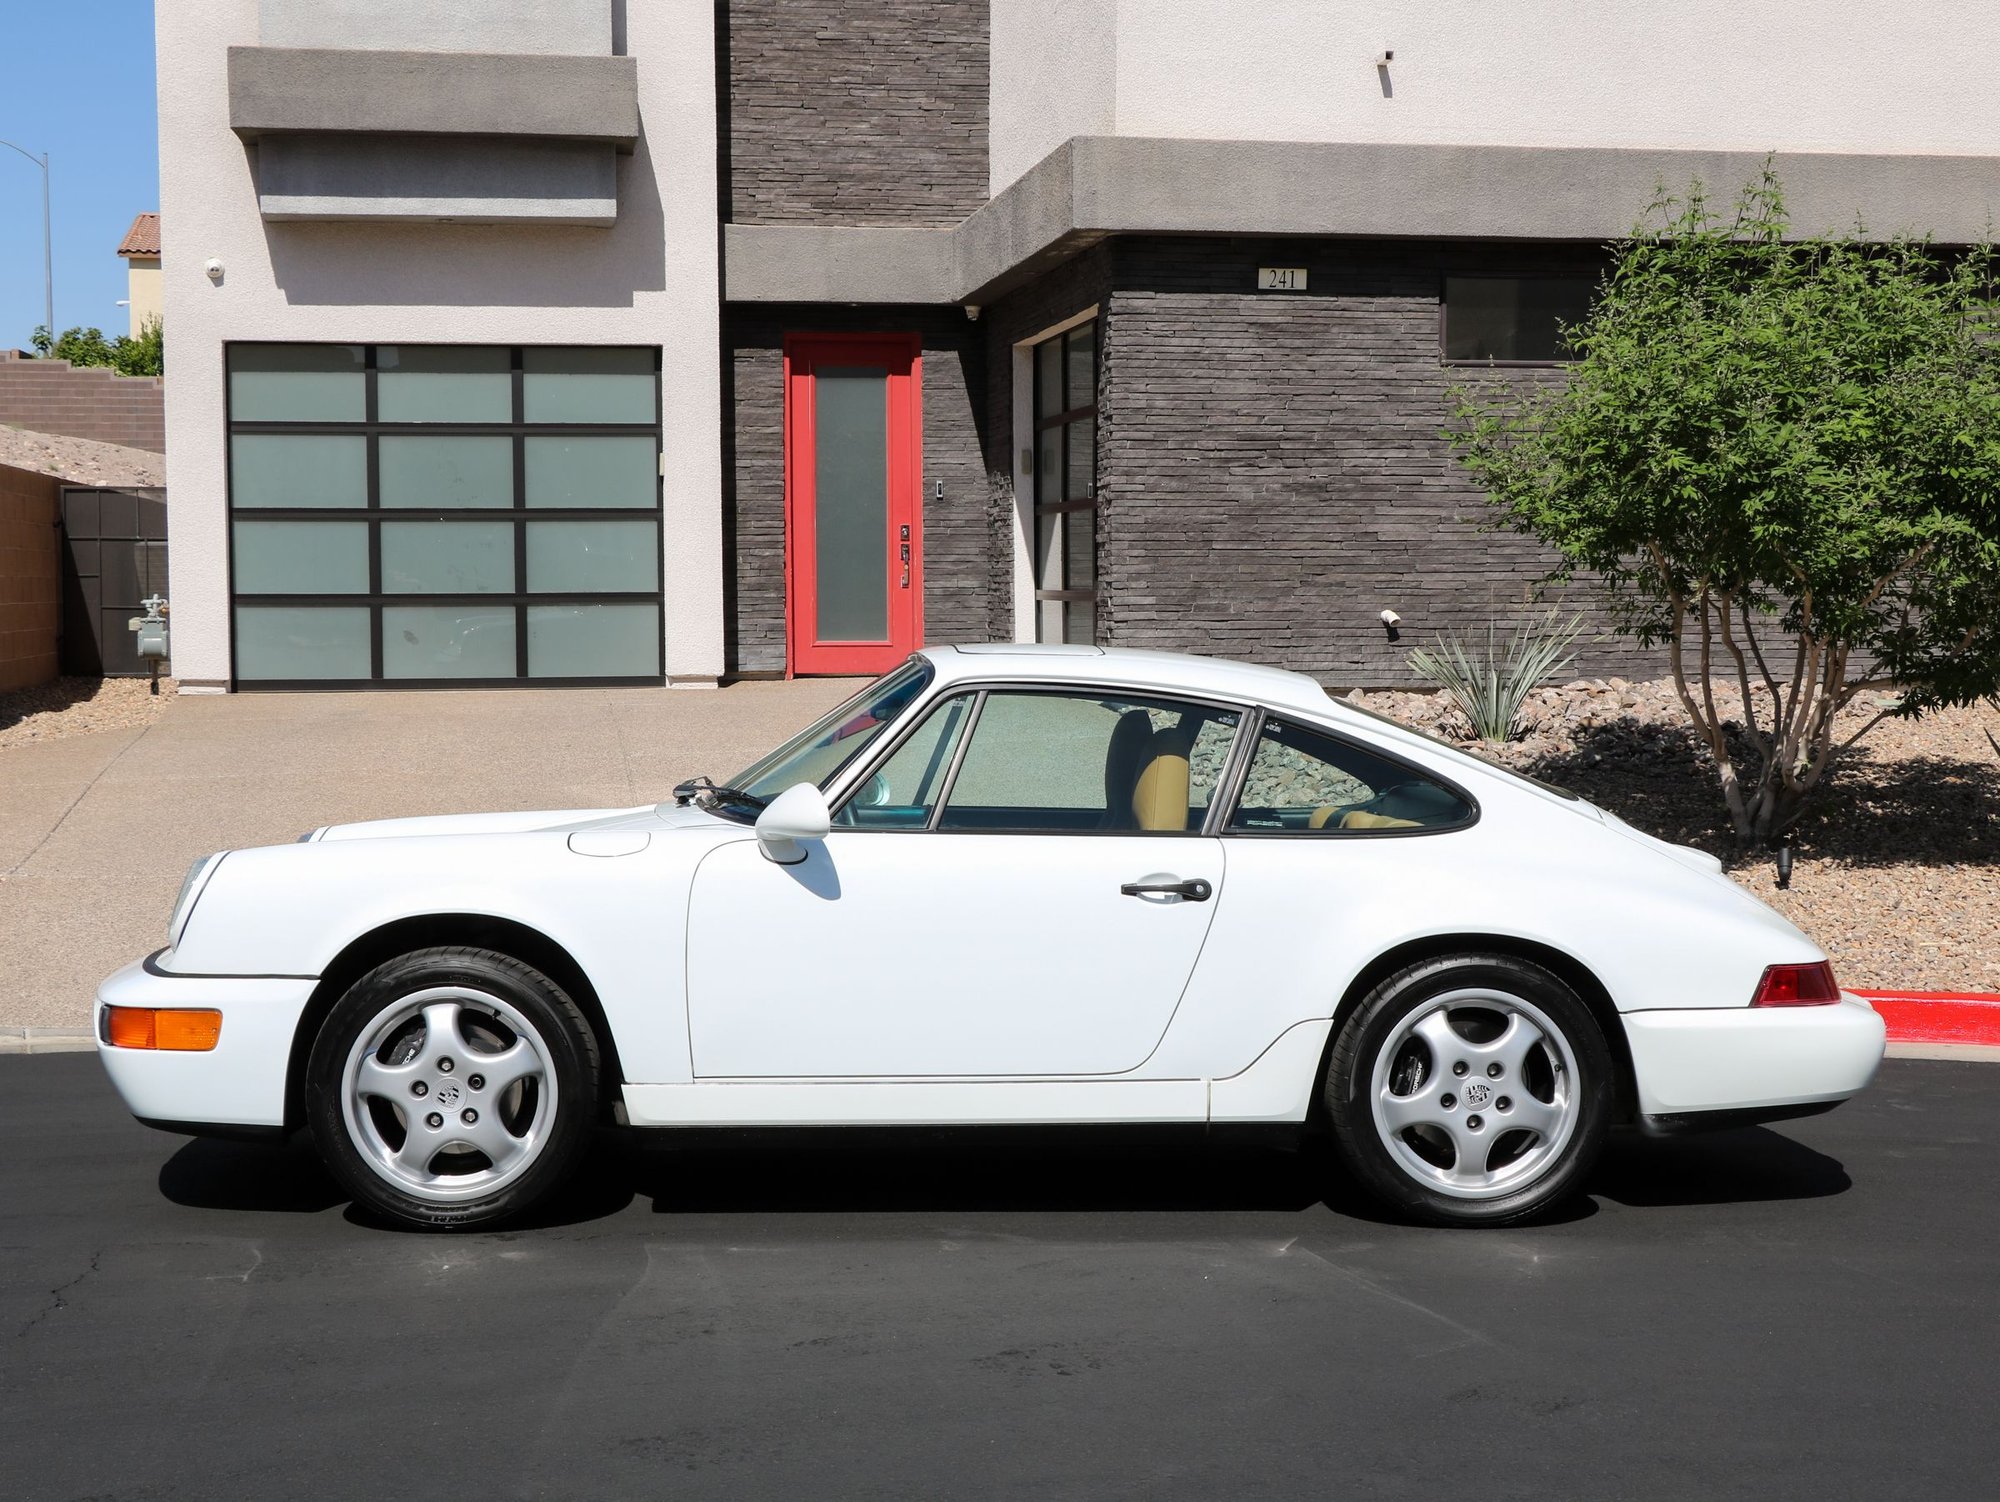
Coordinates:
(97, 830)
(1807, 1311)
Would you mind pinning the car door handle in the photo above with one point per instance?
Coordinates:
(1195, 890)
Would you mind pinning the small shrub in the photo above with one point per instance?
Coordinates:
(1490, 687)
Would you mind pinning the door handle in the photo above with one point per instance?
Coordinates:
(1195, 890)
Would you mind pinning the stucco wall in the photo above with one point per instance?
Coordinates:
(142, 291)
(1753, 75)
(537, 26)
(855, 113)
(651, 279)
(1053, 75)
(958, 560)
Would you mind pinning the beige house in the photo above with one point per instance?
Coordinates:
(141, 250)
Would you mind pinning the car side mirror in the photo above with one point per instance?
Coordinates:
(798, 813)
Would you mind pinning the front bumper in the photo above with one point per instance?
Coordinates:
(238, 1084)
(1738, 1064)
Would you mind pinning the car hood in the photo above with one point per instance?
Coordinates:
(647, 817)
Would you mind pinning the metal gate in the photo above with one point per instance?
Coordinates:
(114, 555)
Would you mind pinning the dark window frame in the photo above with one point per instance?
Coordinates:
(371, 428)
(1446, 278)
(1071, 413)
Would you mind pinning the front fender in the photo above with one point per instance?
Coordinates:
(289, 910)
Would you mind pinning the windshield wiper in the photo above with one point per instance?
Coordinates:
(707, 792)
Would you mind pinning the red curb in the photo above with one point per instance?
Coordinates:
(1938, 1016)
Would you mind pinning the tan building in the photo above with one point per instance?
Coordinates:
(141, 250)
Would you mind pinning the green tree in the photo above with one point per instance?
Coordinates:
(1781, 458)
(141, 354)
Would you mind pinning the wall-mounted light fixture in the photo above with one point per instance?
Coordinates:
(1390, 621)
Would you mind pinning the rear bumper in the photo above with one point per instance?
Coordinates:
(237, 1085)
(1725, 1066)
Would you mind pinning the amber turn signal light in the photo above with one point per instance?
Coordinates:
(178, 1030)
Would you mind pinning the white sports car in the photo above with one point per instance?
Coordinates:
(1000, 885)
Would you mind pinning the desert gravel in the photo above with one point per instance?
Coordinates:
(81, 461)
(79, 706)
(1898, 869)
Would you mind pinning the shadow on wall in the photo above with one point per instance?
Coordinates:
(480, 265)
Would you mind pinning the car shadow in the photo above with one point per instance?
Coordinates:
(1715, 1168)
(969, 1170)
(209, 1173)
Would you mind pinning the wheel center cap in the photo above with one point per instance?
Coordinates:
(1477, 1093)
(447, 1094)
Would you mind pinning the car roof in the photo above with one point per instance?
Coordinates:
(1127, 667)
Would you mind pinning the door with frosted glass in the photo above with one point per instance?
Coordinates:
(853, 518)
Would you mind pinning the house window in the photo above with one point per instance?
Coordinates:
(1065, 486)
(432, 515)
(1512, 320)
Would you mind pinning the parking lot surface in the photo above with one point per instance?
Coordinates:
(1805, 1311)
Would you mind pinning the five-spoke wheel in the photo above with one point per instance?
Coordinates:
(452, 1087)
(1470, 1089)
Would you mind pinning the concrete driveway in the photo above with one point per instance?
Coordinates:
(97, 830)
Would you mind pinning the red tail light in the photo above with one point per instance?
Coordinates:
(1797, 986)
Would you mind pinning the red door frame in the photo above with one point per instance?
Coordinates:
(901, 354)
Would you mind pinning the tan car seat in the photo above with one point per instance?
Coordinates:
(1160, 797)
(1357, 818)
(1124, 759)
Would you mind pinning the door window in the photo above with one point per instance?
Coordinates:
(906, 787)
(1065, 486)
(1082, 763)
(1305, 782)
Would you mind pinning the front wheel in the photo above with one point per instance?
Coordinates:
(1470, 1090)
(452, 1088)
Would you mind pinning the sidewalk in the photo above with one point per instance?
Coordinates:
(97, 830)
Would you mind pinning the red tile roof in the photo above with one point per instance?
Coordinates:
(143, 238)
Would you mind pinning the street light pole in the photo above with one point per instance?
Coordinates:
(48, 258)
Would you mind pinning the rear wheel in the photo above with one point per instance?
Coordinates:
(1471, 1090)
(452, 1088)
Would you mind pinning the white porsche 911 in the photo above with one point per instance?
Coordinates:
(999, 885)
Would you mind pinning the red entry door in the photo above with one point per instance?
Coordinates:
(854, 558)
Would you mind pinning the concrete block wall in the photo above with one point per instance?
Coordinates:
(958, 556)
(52, 396)
(853, 114)
(1272, 473)
(30, 577)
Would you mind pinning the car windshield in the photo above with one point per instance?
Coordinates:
(816, 753)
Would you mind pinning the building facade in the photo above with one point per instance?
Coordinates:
(555, 341)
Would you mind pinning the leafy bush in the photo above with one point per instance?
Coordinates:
(1781, 458)
(1490, 688)
(141, 354)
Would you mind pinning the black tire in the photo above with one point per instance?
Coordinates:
(536, 1125)
(1564, 1083)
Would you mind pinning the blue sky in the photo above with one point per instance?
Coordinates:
(79, 85)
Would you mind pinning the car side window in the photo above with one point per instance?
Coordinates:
(1301, 781)
(906, 787)
(1081, 763)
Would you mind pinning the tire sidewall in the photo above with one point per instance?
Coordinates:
(1381, 1015)
(547, 1009)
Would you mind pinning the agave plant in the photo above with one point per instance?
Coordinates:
(1490, 688)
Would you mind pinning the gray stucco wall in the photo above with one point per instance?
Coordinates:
(841, 113)
(959, 564)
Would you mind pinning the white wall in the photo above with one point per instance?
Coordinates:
(653, 279)
(1752, 75)
(1052, 75)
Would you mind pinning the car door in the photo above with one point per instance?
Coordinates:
(1021, 888)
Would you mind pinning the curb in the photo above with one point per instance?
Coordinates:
(1957, 1019)
(46, 1040)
